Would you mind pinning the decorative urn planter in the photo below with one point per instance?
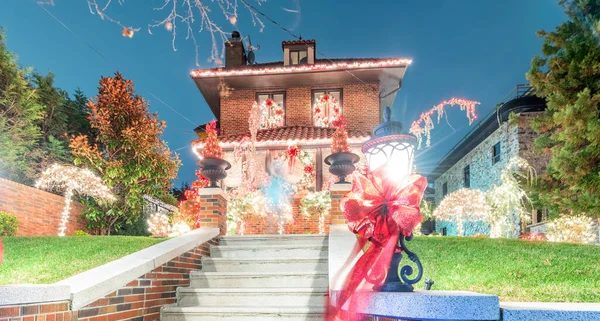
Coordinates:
(342, 165)
(214, 169)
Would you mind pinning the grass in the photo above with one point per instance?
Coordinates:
(42, 260)
(514, 270)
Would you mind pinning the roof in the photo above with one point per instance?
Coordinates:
(301, 135)
(518, 102)
(298, 42)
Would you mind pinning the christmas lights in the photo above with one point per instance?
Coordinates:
(301, 68)
(211, 147)
(271, 114)
(572, 229)
(464, 205)
(424, 124)
(326, 105)
(72, 180)
(158, 224)
(317, 203)
(339, 139)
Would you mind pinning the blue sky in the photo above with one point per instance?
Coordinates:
(473, 49)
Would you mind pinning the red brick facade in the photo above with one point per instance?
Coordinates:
(38, 211)
(337, 216)
(360, 105)
(141, 299)
(213, 212)
(55, 311)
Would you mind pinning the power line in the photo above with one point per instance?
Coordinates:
(107, 60)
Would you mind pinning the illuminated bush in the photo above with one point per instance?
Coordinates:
(572, 229)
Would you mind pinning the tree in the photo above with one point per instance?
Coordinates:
(568, 76)
(179, 192)
(127, 151)
(20, 112)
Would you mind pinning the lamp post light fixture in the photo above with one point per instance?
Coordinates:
(390, 146)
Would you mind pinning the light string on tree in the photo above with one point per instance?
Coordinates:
(326, 105)
(424, 124)
(211, 147)
(73, 180)
(339, 139)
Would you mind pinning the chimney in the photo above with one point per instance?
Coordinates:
(235, 55)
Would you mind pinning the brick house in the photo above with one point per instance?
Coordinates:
(361, 87)
(477, 160)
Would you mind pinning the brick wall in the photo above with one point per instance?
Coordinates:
(38, 211)
(337, 216)
(213, 209)
(55, 311)
(360, 106)
(141, 299)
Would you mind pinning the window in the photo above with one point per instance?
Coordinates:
(298, 57)
(324, 113)
(467, 176)
(445, 189)
(496, 154)
(272, 117)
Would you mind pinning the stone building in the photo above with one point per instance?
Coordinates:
(361, 87)
(477, 161)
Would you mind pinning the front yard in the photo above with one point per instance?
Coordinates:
(515, 270)
(42, 260)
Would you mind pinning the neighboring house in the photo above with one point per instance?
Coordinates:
(477, 161)
(153, 205)
(362, 87)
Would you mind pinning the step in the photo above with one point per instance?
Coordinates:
(187, 297)
(214, 264)
(175, 313)
(274, 239)
(258, 251)
(260, 279)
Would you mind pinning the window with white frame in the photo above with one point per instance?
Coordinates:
(327, 105)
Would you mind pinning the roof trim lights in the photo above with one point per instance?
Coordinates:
(205, 73)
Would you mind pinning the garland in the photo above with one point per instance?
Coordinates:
(424, 124)
(326, 102)
(308, 167)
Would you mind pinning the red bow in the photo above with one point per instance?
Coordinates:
(211, 127)
(339, 122)
(377, 209)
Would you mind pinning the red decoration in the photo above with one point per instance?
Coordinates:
(292, 152)
(279, 112)
(339, 122)
(377, 210)
(540, 237)
(269, 102)
(339, 140)
(325, 97)
(317, 110)
(308, 169)
(211, 146)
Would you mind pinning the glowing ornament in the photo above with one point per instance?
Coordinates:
(169, 25)
(72, 180)
(128, 32)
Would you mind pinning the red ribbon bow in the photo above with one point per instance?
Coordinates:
(377, 209)
(211, 127)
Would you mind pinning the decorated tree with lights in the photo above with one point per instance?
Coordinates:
(339, 139)
(211, 147)
(73, 180)
(568, 76)
(127, 151)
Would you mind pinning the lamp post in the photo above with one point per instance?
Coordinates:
(390, 146)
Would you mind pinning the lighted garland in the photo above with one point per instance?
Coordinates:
(572, 229)
(316, 204)
(321, 106)
(73, 180)
(308, 167)
(424, 124)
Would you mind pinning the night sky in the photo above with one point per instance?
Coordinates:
(474, 49)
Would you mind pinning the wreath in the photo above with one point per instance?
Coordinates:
(326, 102)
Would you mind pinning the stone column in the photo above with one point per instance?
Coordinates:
(337, 192)
(213, 209)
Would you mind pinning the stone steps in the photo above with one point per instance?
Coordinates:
(213, 264)
(291, 279)
(257, 251)
(295, 239)
(253, 297)
(174, 313)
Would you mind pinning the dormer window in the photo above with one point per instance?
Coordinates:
(298, 57)
(298, 52)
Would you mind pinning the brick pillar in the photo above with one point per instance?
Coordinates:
(337, 192)
(213, 208)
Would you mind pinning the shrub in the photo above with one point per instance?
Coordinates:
(572, 229)
(81, 233)
(8, 224)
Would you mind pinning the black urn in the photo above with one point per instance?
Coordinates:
(342, 165)
(214, 169)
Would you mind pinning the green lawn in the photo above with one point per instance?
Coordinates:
(29, 260)
(515, 270)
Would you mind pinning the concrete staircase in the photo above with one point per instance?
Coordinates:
(259, 277)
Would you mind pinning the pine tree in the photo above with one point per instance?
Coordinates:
(20, 112)
(568, 76)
